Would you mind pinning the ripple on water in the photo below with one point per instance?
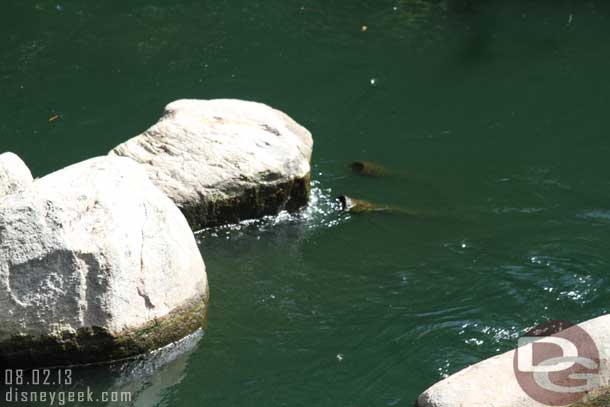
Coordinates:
(477, 333)
(571, 277)
(602, 215)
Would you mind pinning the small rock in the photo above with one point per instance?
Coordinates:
(14, 174)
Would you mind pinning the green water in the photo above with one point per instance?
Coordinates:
(494, 114)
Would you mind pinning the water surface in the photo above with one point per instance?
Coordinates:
(494, 113)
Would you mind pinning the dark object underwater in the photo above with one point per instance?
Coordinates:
(370, 169)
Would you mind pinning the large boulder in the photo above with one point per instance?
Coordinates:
(498, 382)
(14, 174)
(95, 264)
(225, 160)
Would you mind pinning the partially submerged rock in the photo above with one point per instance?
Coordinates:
(14, 174)
(225, 160)
(369, 168)
(494, 382)
(96, 264)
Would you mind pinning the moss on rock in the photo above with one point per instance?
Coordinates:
(599, 400)
(258, 201)
(95, 344)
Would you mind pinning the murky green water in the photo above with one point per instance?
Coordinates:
(494, 114)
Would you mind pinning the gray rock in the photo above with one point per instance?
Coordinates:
(14, 174)
(493, 382)
(95, 264)
(225, 160)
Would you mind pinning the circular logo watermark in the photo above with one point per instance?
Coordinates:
(557, 363)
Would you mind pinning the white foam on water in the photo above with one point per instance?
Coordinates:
(323, 211)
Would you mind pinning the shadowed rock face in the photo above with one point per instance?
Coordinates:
(95, 264)
(222, 161)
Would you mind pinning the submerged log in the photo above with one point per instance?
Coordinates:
(353, 205)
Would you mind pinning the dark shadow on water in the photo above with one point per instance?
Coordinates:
(144, 381)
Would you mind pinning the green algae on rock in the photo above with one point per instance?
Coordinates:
(222, 161)
(600, 398)
(255, 202)
(93, 345)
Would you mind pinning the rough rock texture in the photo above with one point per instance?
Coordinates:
(95, 263)
(224, 160)
(492, 382)
(602, 400)
(14, 174)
